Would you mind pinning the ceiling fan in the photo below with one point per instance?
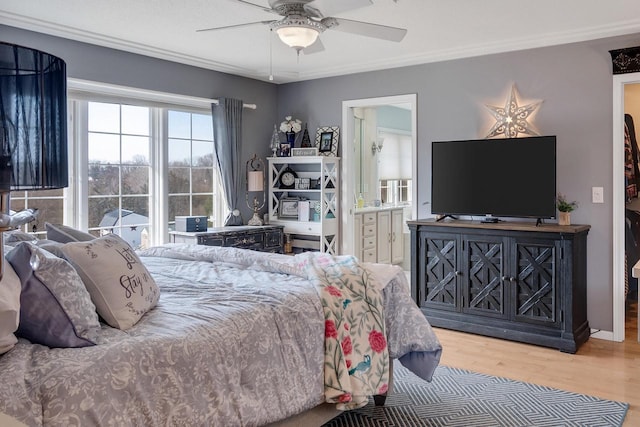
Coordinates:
(304, 20)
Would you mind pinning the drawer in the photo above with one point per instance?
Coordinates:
(301, 227)
(369, 230)
(369, 256)
(368, 217)
(210, 240)
(247, 241)
(369, 242)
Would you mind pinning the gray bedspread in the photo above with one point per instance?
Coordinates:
(236, 340)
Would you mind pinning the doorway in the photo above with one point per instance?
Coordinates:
(620, 83)
(354, 154)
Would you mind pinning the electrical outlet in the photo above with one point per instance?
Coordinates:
(597, 194)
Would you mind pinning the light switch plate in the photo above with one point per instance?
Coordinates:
(597, 194)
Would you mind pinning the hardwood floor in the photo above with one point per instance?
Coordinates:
(600, 368)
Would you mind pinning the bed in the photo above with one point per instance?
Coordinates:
(235, 337)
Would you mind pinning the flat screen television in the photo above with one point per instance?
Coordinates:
(511, 177)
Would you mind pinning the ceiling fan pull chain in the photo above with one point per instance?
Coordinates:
(270, 55)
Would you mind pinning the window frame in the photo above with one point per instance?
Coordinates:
(76, 206)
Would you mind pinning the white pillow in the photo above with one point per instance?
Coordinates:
(119, 284)
(9, 307)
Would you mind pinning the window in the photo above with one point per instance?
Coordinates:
(118, 170)
(394, 166)
(121, 149)
(191, 165)
(50, 205)
(395, 191)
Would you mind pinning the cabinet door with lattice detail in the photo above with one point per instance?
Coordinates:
(440, 271)
(484, 277)
(535, 282)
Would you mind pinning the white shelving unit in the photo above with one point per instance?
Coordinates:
(318, 232)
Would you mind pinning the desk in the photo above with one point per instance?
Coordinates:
(268, 238)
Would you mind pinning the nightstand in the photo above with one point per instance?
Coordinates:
(268, 238)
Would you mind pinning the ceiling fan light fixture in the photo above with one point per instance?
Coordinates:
(298, 32)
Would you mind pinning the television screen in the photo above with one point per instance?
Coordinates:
(511, 177)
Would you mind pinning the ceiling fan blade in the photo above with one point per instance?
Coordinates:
(316, 47)
(226, 27)
(365, 29)
(322, 8)
(248, 3)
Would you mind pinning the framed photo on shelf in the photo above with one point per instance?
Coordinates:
(285, 150)
(288, 208)
(327, 138)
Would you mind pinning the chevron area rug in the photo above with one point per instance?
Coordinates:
(459, 398)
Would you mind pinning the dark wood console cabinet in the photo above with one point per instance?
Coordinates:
(268, 238)
(515, 281)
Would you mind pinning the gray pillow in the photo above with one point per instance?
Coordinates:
(55, 307)
(11, 238)
(65, 234)
(51, 246)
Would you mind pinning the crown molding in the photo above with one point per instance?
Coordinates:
(41, 26)
(473, 50)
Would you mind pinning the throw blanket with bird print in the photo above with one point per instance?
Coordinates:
(356, 355)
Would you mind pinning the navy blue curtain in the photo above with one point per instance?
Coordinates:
(227, 136)
(33, 117)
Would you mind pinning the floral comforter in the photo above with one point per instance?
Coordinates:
(237, 339)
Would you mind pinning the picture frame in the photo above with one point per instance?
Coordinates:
(304, 151)
(327, 138)
(288, 208)
(285, 150)
(326, 141)
(302, 183)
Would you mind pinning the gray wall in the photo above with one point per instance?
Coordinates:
(90, 62)
(575, 83)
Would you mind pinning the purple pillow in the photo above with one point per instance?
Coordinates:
(55, 307)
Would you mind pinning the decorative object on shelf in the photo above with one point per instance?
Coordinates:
(291, 138)
(306, 151)
(285, 150)
(302, 183)
(288, 208)
(511, 119)
(327, 138)
(306, 140)
(290, 127)
(565, 208)
(288, 178)
(33, 128)
(255, 183)
(317, 209)
(303, 210)
(275, 142)
(625, 60)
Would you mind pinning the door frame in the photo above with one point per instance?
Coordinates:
(619, 82)
(348, 158)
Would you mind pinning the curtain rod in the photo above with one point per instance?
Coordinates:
(149, 95)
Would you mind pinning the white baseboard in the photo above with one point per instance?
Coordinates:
(602, 335)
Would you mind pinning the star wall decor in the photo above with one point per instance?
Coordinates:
(512, 118)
